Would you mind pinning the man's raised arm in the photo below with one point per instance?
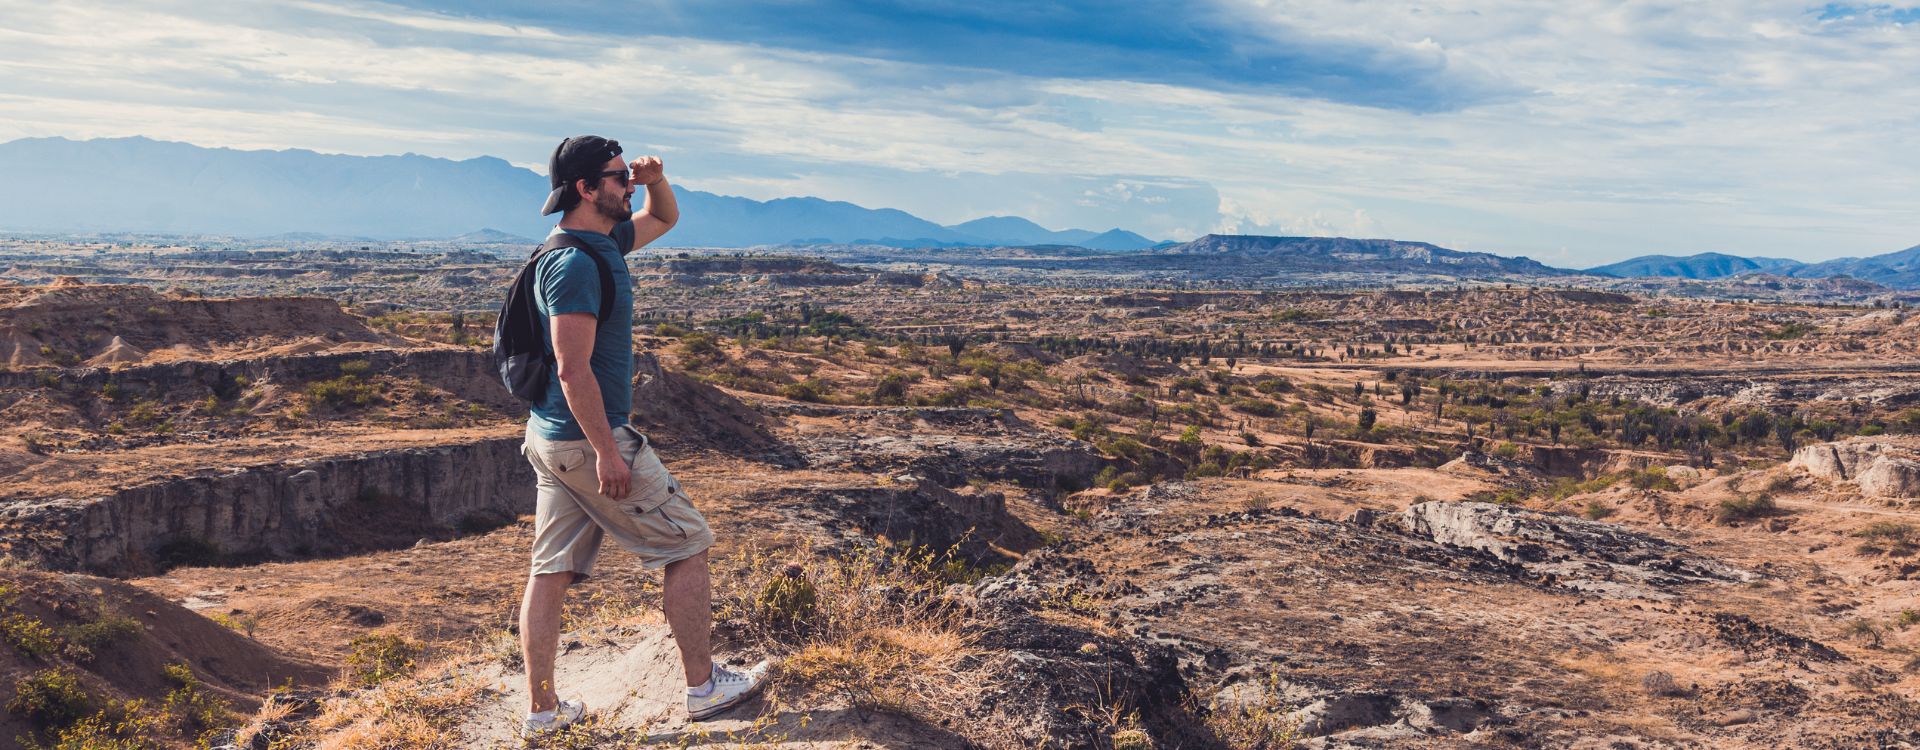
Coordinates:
(660, 211)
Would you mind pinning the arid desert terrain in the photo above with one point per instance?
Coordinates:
(276, 500)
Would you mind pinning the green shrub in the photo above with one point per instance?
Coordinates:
(1741, 509)
(1273, 384)
(343, 392)
(1597, 511)
(786, 604)
(145, 414)
(812, 390)
(49, 698)
(1257, 407)
(87, 639)
(700, 346)
(1267, 723)
(1653, 478)
(242, 623)
(892, 389)
(1206, 469)
(1566, 487)
(1889, 537)
(1508, 496)
(103, 732)
(29, 636)
(1193, 384)
(377, 657)
(963, 393)
(191, 708)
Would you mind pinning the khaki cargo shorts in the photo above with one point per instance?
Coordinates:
(655, 520)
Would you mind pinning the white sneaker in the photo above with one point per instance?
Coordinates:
(730, 689)
(565, 714)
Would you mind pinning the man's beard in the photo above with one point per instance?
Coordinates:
(613, 206)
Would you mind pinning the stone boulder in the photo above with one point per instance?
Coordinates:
(1034, 460)
(1587, 556)
(1884, 467)
(1891, 477)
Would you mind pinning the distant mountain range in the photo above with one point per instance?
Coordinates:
(1900, 269)
(1896, 270)
(137, 184)
(1702, 266)
(1340, 253)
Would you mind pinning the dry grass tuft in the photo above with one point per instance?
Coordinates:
(874, 629)
(1661, 685)
(399, 713)
(1262, 723)
(262, 727)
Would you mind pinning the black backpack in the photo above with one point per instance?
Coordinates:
(519, 340)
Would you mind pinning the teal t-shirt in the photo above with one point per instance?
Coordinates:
(569, 282)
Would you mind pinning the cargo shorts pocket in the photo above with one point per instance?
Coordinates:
(676, 518)
(652, 485)
(566, 460)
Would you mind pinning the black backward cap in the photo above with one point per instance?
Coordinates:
(575, 158)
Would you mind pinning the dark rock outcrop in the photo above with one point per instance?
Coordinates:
(916, 511)
(1587, 556)
(1038, 461)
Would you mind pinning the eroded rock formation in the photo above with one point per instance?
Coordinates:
(1881, 467)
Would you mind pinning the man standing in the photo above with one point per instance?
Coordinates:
(597, 476)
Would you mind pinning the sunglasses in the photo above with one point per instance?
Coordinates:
(622, 175)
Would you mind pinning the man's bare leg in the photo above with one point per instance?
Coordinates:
(687, 597)
(540, 636)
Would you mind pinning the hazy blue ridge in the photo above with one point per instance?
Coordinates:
(1116, 240)
(1013, 230)
(1701, 266)
(139, 185)
(1899, 269)
(1342, 253)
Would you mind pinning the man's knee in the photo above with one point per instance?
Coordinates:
(697, 560)
(563, 578)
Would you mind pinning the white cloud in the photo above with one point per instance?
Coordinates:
(1742, 126)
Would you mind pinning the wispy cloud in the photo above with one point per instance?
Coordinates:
(1608, 129)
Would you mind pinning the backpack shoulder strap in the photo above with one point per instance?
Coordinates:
(566, 239)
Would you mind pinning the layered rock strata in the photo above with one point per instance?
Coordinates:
(295, 509)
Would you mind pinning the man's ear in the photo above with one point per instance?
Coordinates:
(580, 188)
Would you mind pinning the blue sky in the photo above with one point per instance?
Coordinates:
(1574, 132)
